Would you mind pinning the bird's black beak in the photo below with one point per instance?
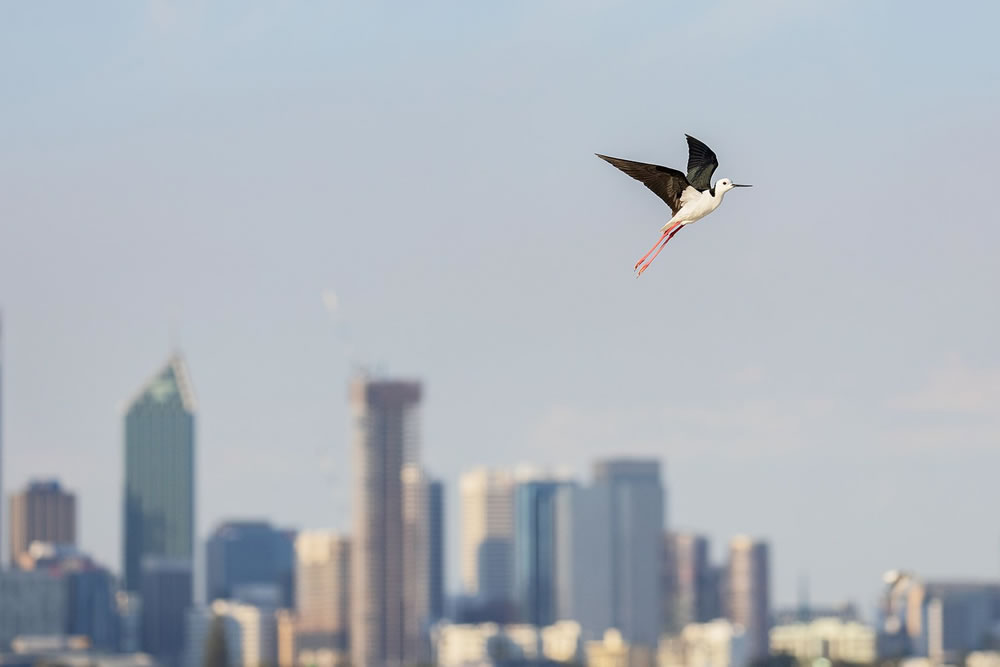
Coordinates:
(741, 185)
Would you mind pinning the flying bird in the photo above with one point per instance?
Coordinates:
(690, 197)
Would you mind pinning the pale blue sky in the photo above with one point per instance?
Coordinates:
(816, 363)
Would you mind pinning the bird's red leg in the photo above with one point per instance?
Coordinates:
(662, 236)
(670, 234)
(642, 259)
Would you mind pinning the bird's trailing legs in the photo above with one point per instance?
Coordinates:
(667, 235)
(666, 230)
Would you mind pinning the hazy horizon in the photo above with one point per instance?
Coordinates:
(284, 193)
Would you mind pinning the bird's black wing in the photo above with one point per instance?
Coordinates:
(666, 183)
(702, 163)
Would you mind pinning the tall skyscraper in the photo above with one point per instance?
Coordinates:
(437, 549)
(535, 550)
(487, 567)
(688, 581)
(747, 592)
(159, 471)
(43, 512)
(322, 598)
(585, 576)
(385, 419)
(241, 555)
(637, 524)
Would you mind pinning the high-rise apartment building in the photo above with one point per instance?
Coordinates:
(689, 587)
(159, 472)
(747, 592)
(322, 598)
(43, 512)
(487, 507)
(385, 424)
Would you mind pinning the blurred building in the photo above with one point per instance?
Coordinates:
(983, 659)
(463, 645)
(323, 590)
(689, 582)
(614, 651)
(43, 512)
(90, 590)
(438, 549)
(829, 638)
(159, 472)
(487, 507)
(941, 620)
(31, 603)
(251, 633)
(717, 643)
(585, 578)
(535, 550)
(166, 595)
(422, 561)
(242, 556)
(747, 592)
(386, 437)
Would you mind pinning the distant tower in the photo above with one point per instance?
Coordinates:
(688, 582)
(748, 592)
(804, 613)
(637, 524)
(535, 565)
(487, 506)
(385, 424)
(159, 472)
(322, 599)
(43, 512)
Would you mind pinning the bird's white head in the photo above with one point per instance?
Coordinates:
(724, 185)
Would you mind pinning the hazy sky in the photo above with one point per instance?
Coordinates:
(292, 188)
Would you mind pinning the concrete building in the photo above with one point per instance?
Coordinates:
(159, 511)
(31, 603)
(717, 643)
(323, 580)
(747, 596)
(385, 417)
(487, 508)
(43, 512)
(830, 638)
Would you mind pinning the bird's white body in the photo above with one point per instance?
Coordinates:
(696, 204)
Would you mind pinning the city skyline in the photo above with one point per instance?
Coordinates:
(213, 177)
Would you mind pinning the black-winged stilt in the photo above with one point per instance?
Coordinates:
(690, 197)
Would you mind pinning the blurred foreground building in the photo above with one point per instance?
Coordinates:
(718, 643)
(830, 638)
